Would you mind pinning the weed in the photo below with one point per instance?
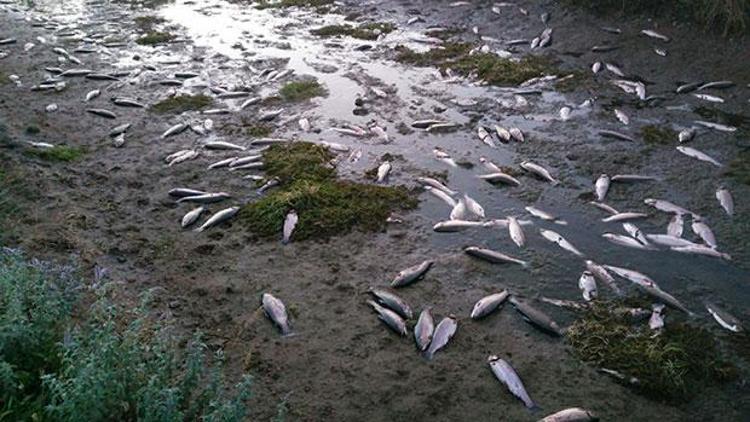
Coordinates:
(59, 153)
(182, 103)
(302, 90)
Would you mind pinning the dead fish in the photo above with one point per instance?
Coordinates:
(276, 312)
(654, 34)
(223, 163)
(51, 108)
(214, 111)
(601, 187)
(604, 276)
(686, 135)
(252, 101)
(614, 69)
(615, 135)
(569, 304)
(701, 229)
(491, 256)
(459, 210)
(660, 52)
(101, 113)
(473, 206)
(485, 137)
(622, 117)
(629, 178)
(443, 156)
(218, 218)
(290, 222)
(503, 133)
(516, 232)
(383, 170)
(701, 250)
(633, 276)
(205, 198)
(635, 233)
(178, 128)
(725, 199)
(656, 321)
(516, 134)
(428, 181)
(239, 161)
(334, 146)
(170, 82)
(626, 241)
(192, 216)
(304, 124)
(488, 304)
(500, 178)
(596, 67)
(565, 113)
(508, 376)
(587, 284)
(101, 77)
(668, 240)
(664, 297)
(452, 226)
(444, 331)
(6, 41)
(119, 140)
(393, 302)
(424, 124)
(604, 48)
(555, 237)
(709, 98)
(573, 414)
(716, 126)
(624, 216)
(536, 212)
(270, 115)
(390, 318)
(424, 330)
(183, 192)
(666, 206)
(539, 171)
(76, 72)
(699, 155)
(692, 86)
(92, 94)
(222, 145)
(127, 102)
(411, 274)
(536, 317)
(611, 30)
(442, 195)
(716, 85)
(724, 319)
(268, 185)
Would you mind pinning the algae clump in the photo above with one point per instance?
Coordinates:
(181, 103)
(155, 38)
(57, 153)
(325, 205)
(653, 134)
(302, 90)
(367, 31)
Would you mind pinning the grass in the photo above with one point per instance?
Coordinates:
(302, 90)
(672, 366)
(486, 66)
(105, 364)
(326, 206)
(182, 103)
(259, 130)
(730, 16)
(4, 79)
(264, 4)
(739, 167)
(367, 31)
(658, 135)
(58, 153)
(155, 38)
(147, 23)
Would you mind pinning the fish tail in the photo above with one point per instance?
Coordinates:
(561, 222)
(534, 407)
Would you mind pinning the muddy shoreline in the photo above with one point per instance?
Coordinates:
(111, 208)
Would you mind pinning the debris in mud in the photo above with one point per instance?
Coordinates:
(320, 5)
(326, 206)
(671, 366)
(155, 38)
(57, 153)
(259, 130)
(658, 135)
(302, 90)
(182, 103)
(367, 31)
(739, 167)
(147, 23)
(4, 79)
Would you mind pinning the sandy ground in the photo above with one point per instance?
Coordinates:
(111, 209)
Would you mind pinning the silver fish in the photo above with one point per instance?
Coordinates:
(614, 69)
(615, 135)
(222, 145)
(635, 233)
(500, 177)
(503, 133)
(424, 329)
(623, 216)
(272, 182)
(570, 304)
(218, 218)
(119, 140)
(383, 171)
(508, 376)
(692, 86)
(701, 229)
(428, 181)
(565, 113)
(442, 195)
(633, 276)
(587, 284)
(473, 206)
(183, 192)
(622, 117)
(178, 128)
(516, 134)
(223, 163)
(668, 240)
(539, 171)
(118, 130)
(246, 160)
(626, 241)
(485, 137)
(411, 274)
(536, 317)
(544, 215)
(694, 153)
(664, 297)
(192, 216)
(557, 238)
(184, 157)
(665, 206)
(601, 187)
(573, 414)
(390, 318)
(596, 67)
(452, 226)
(724, 319)
(709, 98)
(101, 113)
(702, 250)
(290, 222)
(716, 126)
(716, 85)
(92, 94)
(444, 331)
(459, 210)
(604, 276)
(516, 232)
(493, 256)
(393, 302)
(488, 304)
(654, 34)
(629, 178)
(725, 199)
(276, 312)
(207, 198)
(686, 135)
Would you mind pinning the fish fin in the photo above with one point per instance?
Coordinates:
(534, 407)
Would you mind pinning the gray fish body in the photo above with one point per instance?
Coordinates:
(290, 222)
(665, 206)
(624, 216)
(587, 284)
(128, 102)
(393, 302)
(180, 127)
(493, 256)
(221, 145)
(516, 232)
(223, 163)
(701, 229)
(424, 329)
(633, 276)
(442, 335)
(605, 277)
(390, 318)
(725, 199)
(207, 198)
(698, 155)
(411, 274)
(218, 218)
(442, 195)
(555, 237)
(276, 312)
(668, 240)
(601, 187)
(539, 171)
(183, 192)
(629, 178)
(452, 226)
(536, 317)
(616, 135)
(192, 216)
(488, 304)
(574, 414)
(118, 130)
(665, 297)
(101, 113)
(724, 319)
(626, 241)
(701, 250)
(508, 376)
(428, 181)
(500, 177)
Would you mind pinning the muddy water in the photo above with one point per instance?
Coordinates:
(343, 364)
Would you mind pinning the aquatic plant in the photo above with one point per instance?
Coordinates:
(672, 366)
(259, 130)
(155, 37)
(302, 90)
(182, 103)
(278, 4)
(57, 153)
(367, 31)
(326, 206)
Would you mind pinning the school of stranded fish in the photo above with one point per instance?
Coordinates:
(465, 212)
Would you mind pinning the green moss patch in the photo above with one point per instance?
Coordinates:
(325, 205)
(672, 366)
(181, 103)
(302, 90)
(280, 4)
(739, 167)
(487, 66)
(147, 23)
(658, 135)
(155, 38)
(259, 131)
(57, 153)
(4, 79)
(367, 31)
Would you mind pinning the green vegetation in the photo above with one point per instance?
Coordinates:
(739, 167)
(181, 103)
(367, 31)
(730, 15)
(302, 90)
(32, 129)
(4, 79)
(326, 206)
(97, 366)
(319, 4)
(147, 23)
(658, 135)
(672, 366)
(259, 131)
(57, 153)
(487, 66)
(155, 38)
